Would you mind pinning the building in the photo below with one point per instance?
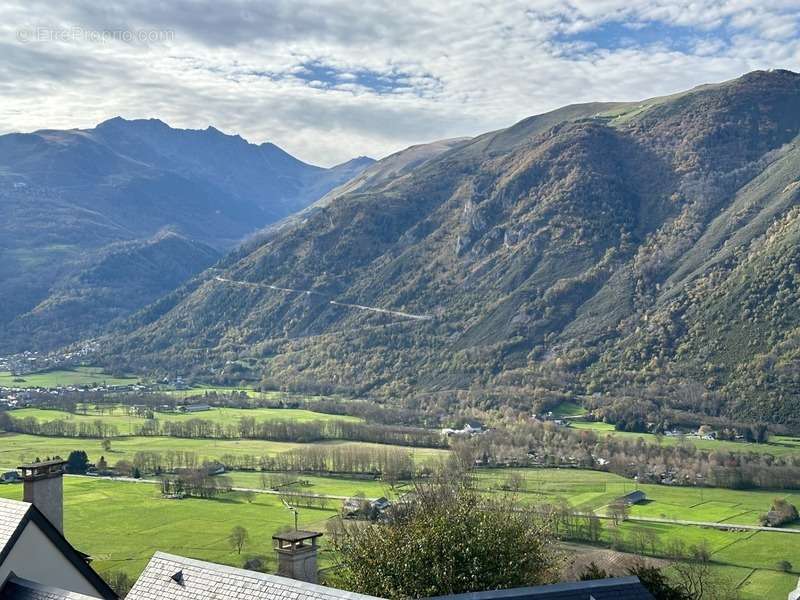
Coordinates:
(10, 477)
(193, 408)
(633, 498)
(37, 562)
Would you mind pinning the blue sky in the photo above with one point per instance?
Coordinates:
(328, 80)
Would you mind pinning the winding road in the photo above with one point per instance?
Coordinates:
(385, 311)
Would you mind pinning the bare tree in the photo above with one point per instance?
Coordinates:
(238, 538)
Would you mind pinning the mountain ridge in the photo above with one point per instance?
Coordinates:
(72, 194)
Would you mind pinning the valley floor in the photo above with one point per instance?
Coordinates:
(120, 524)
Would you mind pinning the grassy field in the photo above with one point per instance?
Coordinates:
(777, 445)
(303, 483)
(121, 524)
(18, 448)
(568, 409)
(50, 379)
(127, 425)
(593, 490)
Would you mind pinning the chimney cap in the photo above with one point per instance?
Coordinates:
(44, 463)
(296, 536)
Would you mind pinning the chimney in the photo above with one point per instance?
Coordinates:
(43, 486)
(297, 554)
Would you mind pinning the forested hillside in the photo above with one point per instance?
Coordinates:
(645, 248)
(69, 197)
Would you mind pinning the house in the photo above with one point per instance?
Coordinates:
(354, 507)
(381, 504)
(36, 561)
(10, 477)
(633, 498)
(193, 408)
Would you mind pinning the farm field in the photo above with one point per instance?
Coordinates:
(593, 490)
(302, 483)
(121, 524)
(777, 445)
(128, 424)
(64, 377)
(16, 448)
(97, 512)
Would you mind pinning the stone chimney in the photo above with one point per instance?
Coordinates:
(297, 554)
(44, 488)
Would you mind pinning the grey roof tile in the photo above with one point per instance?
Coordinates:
(208, 581)
(12, 512)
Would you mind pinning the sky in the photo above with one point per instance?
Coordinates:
(331, 80)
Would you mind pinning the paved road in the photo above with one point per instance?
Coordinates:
(384, 311)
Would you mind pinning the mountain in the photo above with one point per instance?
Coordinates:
(68, 197)
(618, 249)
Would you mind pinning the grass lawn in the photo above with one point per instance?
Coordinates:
(64, 377)
(593, 490)
(568, 409)
(334, 486)
(17, 448)
(121, 524)
(127, 425)
(778, 445)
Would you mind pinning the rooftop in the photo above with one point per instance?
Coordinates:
(200, 580)
(16, 588)
(619, 588)
(12, 514)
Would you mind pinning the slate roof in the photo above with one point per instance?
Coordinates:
(22, 589)
(12, 514)
(620, 588)
(202, 580)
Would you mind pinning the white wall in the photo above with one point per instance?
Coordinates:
(36, 558)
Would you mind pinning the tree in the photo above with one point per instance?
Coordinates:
(120, 582)
(618, 511)
(77, 462)
(249, 495)
(102, 465)
(238, 538)
(657, 583)
(698, 581)
(106, 445)
(449, 539)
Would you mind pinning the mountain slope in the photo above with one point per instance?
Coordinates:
(584, 249)
(67, 195)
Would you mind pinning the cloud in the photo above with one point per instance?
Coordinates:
(328, 80)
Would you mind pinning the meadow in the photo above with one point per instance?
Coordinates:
(16, 448)
(63, 377)
(126, 424)
(121, 524)
(777, 445)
